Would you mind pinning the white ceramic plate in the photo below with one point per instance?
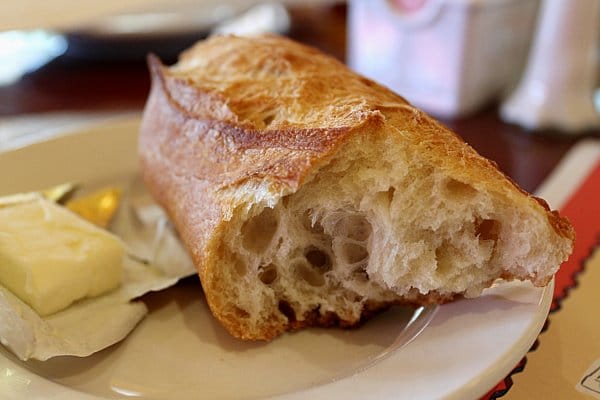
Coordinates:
(180, 352)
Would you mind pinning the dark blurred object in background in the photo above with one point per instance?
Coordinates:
(557, 88)
(101, 71)
(168, 33)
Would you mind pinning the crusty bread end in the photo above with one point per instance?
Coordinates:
(308, 195)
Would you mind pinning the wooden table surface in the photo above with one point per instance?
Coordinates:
(74, 84)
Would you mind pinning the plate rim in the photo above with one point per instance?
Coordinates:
(477, 386)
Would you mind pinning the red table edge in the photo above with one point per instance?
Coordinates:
(583, 210)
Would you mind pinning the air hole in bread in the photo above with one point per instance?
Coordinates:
(240, 313)
(286, 309)
(310, 275)
(318, 258)
(240, 267)
(355, 227)
(487, 229)
(267, 273)
(258, 231)
(354, 253)
(267, 120)
(307, 223)
(443, 260)
(387, 197)
(459, 190)
(360, 273)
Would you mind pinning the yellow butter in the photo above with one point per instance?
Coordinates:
(49, 257)
(99, 207)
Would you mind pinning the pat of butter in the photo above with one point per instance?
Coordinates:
(50, 258)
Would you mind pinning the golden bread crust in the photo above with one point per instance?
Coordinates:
(237, 111)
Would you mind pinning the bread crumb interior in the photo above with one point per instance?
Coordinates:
(372, 230)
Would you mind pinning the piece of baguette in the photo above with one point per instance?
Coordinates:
(309, 195)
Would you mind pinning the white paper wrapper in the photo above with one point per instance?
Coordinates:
(91, 325)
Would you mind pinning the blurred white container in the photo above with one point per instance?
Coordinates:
(557, 89)
(448, 57)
